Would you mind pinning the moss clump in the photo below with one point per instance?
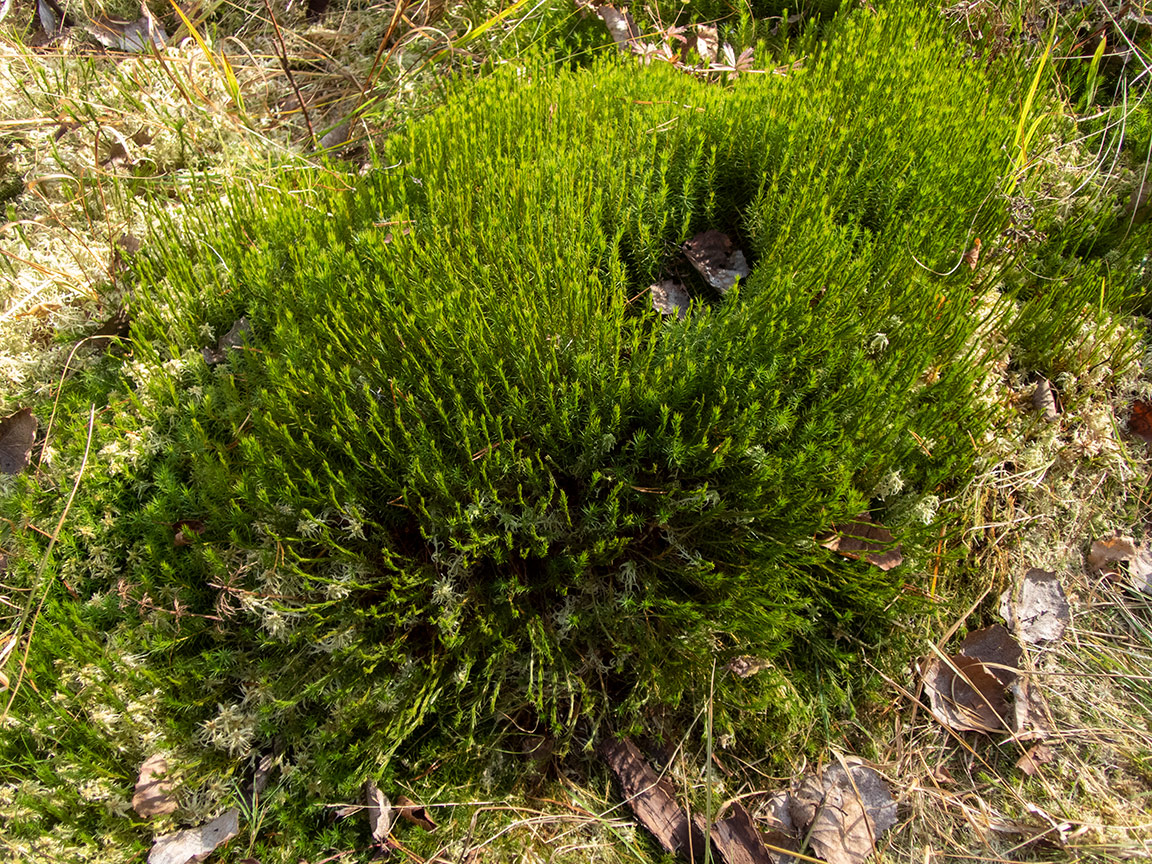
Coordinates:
(458, 468)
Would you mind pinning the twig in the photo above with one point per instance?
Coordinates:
(288, 71)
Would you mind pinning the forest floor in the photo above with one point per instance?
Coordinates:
(101, 118)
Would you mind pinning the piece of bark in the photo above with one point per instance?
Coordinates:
(652, 800)
(736, 839)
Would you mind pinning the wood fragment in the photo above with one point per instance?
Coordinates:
(652, 800)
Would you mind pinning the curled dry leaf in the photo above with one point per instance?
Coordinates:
(863, 538)
(707, 42)
(1030, 762)
(972, 256)
(745, 667)
(132, 37)
(153, 796)
(1042, 611)
(1115, 550)
(670, 298)
(1044, 401)
(195, 844)
(381, 815)
(713, 256)
(186, 530)
(1140, 421)
(415, 813)
(234, 338)
(17, 435)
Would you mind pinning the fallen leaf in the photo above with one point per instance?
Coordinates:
(966, 698)
(234, 338)
(41, 310)
(17, 435)
(381, 816)
(1140, 421)
(132, 37)
(1030, 762)
(153, 796)
(1124, 550)
(118, 326)
(1042, 611)
(652, 800)
(711, 253)
(972, 256)
(261, 775)
(195, 844)
(1044, 401)
(707, 42)
(670, 298)
(996, 649)
(186, 530)
(621, 26)
(863, 538)
(745, 667)
(1029, 711)
(843, 813)
(415, 813)
(51, 16)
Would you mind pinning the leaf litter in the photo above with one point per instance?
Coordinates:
(715, 258)
(17, 435)
(1122, 549)
(1041, 611)
(839, 813)
(381, 814)
(968, 691)
(153, 795)
(195, 844)
(864, 539)
(669, 297)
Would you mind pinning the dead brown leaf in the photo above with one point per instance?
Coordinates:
(670, 298)
(234, 338)
(186, 530)
(381, 815)
(1030, 762)
(863, 538)
(964, 696)
(996, 649)
(843, 813)
(653, 800)
(1120, 549)
(1044, 401)
(17, 435)
(713, 256)
(707, 42)
(972, 256)
(745, 667)
(968, 691)
(415, 813)
(1042, 611)
(153, 796)
(1140, 421)
(132, 37)
(195, 844)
